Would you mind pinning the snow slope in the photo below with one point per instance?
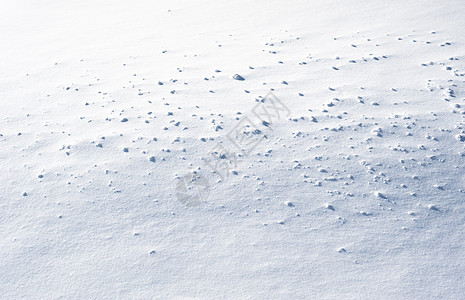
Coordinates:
(113, 113)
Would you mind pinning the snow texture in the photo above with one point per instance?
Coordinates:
(232, 149)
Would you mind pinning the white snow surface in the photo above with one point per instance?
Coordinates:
(109, 108)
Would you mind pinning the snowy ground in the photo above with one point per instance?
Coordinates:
(113, 115)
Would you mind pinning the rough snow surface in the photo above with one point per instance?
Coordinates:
(232, 149)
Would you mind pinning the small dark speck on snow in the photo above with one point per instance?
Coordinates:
(238, 77)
